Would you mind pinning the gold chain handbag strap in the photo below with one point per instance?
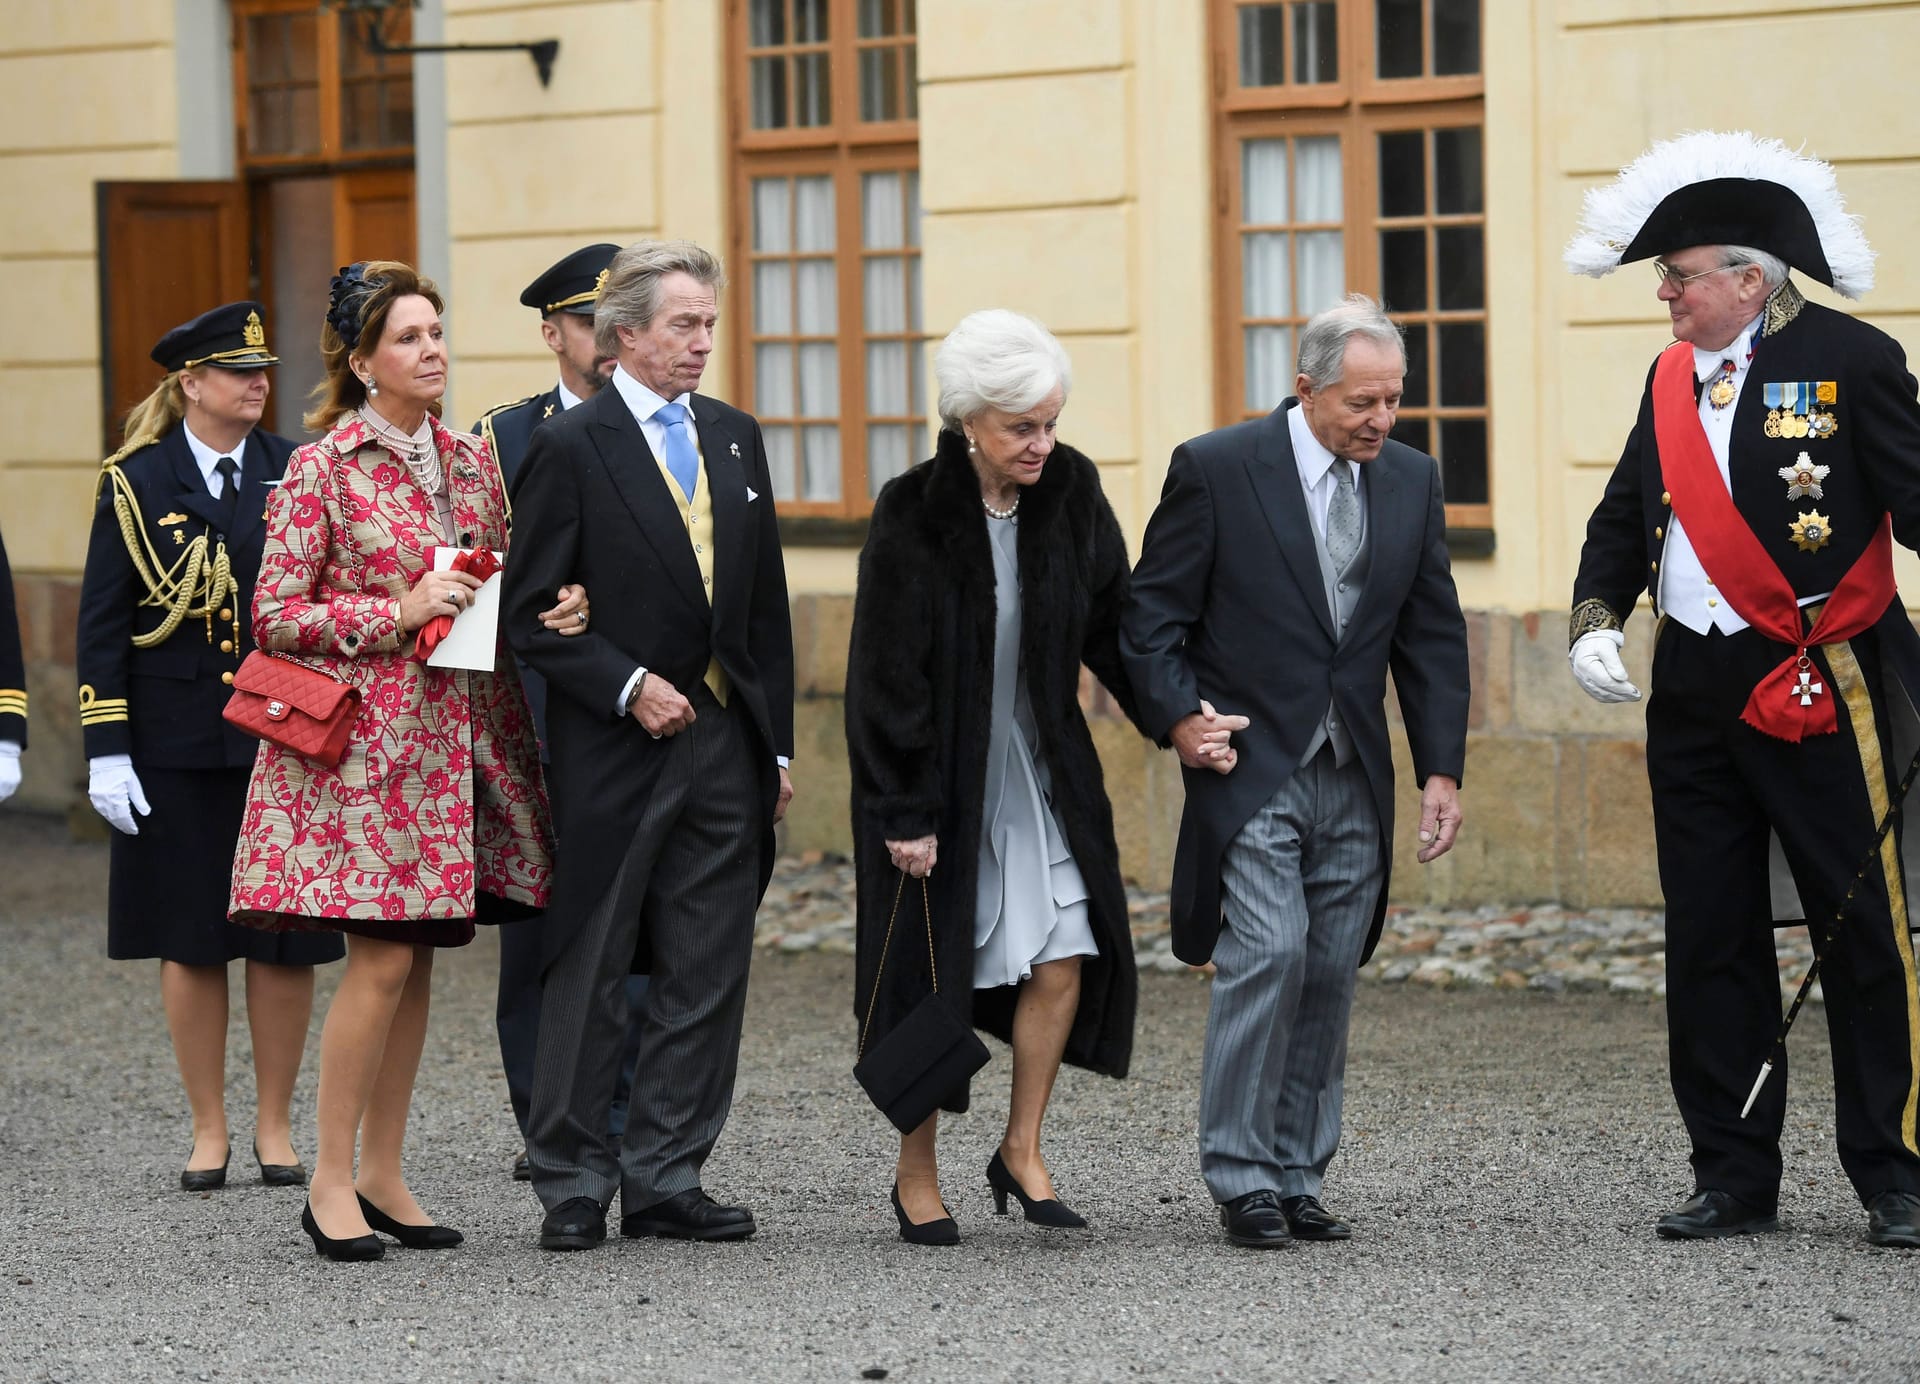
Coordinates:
(302, 663)
(881, 970)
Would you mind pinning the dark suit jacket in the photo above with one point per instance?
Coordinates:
(173, 690)
(1228, 604)
(592, 507)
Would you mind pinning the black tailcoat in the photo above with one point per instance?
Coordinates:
(919, 711)
(1229, 605)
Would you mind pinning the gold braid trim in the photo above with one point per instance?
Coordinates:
(1783, 305)
(193, 585)
(1590, 615)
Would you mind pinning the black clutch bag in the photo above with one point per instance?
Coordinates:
(927, 1055)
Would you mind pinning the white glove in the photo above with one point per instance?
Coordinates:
(1595, 659)
(114, 790)
(9, 769)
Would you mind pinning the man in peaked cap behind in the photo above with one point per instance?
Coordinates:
(563, 296)
(1775, 456)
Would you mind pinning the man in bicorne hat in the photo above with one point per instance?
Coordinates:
(1775, 457)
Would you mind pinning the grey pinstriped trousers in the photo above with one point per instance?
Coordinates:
(1299, 884)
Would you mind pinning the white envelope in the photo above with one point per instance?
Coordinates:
(474, 640)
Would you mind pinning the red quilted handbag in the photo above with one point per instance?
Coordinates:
(295, 705)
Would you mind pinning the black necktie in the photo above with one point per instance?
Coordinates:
(229, 497)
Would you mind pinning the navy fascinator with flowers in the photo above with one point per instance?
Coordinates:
(347, 301)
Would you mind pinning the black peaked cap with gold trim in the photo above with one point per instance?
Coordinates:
(231, 336)
(573, 284)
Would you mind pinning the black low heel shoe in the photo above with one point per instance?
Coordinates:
(357, 1250)
(280, 1174)
(944, 1231)
(412, 1236)
(1051, 1212)
(206, 1179)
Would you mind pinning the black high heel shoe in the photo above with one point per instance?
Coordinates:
(1050, 1212)
(357, 1250)
(279, 1174)
(206, 1179)
(944, 1231)
(412, 1236)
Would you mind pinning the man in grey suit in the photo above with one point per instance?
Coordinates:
(670, 724)
(1292, 561)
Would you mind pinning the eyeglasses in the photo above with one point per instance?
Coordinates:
(1674, 279)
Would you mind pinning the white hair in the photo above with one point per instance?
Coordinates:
(1324, 340)
(998, 359)
(1773, 269)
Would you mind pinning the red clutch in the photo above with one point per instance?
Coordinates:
(295, 705)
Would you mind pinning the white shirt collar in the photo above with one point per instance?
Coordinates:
(568, 399)
(1310, 454)
(641, 401)
(206, 458)
(1706, 364)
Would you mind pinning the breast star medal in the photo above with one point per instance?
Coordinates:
(1803, 478)
(1811, 531)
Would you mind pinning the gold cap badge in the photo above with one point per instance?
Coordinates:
(254, 334)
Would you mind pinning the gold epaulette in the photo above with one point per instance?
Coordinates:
(502, 408)
(493, 445)
(133, 445)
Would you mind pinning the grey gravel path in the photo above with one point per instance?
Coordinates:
(1506, 1154)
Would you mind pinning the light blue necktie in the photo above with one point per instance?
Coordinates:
(683, 458)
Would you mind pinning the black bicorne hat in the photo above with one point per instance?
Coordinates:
(573, 284)
(231, 336)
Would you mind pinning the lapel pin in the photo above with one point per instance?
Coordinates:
(734, 447)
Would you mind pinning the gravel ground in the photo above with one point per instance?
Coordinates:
(1506, 1152)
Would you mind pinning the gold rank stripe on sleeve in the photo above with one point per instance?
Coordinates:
(98, 711)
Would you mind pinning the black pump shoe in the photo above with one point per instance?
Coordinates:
(280, 1174)
(1050, 1212)
(412, 1236)
(943, 1231)
(206, 1179)
(357, 1250)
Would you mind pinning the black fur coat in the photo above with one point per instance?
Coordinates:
(919, 703)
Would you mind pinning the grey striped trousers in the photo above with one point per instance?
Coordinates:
(1299, 882)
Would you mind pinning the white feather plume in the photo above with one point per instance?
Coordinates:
(1614, 214)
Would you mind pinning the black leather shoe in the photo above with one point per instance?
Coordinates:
(1893, 1219)
(206, 1179)
(1714, 1215)
(523, 1169)
(360, 1249)
(689, 1215)
(577, 1223)
(280, 1174)
(1256, 1220)
(1309, 1220)
(412, 1236)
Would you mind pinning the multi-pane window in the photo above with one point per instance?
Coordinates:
(310, 89)
(1350, 153)
(826, 318)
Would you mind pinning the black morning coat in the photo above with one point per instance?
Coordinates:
(919, 710)
(173, 693)
(591, 507)
(507, 431)
(13, 668)
(1229, 605)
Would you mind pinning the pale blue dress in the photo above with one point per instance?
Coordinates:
(1032, 903)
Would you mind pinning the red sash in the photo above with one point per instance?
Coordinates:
(1752, 583)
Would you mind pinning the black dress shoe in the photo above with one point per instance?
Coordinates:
(1047, 1211)
(1893, 1219)
(689, 1215)
(1256, 1220)
(577, 1223)
(942, 1230)
(1713, 1215)
(206, 1179)
(280, 1174)
(1309, 1220)
(412, 1236)
(360, 1249)
(523, 1169)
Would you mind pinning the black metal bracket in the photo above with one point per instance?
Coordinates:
(542, 51)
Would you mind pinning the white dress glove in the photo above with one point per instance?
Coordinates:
(9, 769)
(1595, 659)
(114, 789)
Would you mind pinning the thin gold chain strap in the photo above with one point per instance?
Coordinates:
(881, 970)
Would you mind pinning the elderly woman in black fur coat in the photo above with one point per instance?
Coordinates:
(990, 574)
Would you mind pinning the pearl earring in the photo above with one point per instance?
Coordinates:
(972, 450)
(373, 390)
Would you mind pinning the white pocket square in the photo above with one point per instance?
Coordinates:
(752, 494)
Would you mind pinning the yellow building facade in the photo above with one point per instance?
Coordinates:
(1170, 185)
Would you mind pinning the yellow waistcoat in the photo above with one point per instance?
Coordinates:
(698, 517)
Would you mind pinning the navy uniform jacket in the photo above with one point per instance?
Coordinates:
(13, 668)
(162, 704)
(507, 431)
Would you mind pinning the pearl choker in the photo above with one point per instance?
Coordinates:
(419, 453)
(1006, 513)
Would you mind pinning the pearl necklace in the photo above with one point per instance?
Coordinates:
(419, 452)
(1006, 513)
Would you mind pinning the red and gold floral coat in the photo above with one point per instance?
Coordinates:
(440, 794)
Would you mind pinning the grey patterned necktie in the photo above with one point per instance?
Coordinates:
(1343, 518)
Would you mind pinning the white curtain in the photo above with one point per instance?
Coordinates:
(882, 215)
(1269, 367)
(771, 213)
(780, 460)
(1322, 264)
(1287, 273)
(813, 215)
(1263, 182)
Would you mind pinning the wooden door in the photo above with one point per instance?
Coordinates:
(168, 251)
(373, 215)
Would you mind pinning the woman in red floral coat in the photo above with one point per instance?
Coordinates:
(437, 816)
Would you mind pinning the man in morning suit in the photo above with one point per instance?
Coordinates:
(563, 296)
(1774, 459)
(1292, 561)
(670, 725)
